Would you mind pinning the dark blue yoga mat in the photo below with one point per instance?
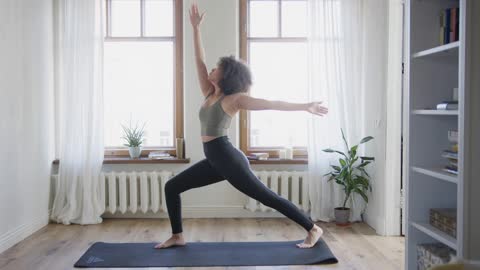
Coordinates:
(203, 254)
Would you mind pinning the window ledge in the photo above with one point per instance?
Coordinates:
(280, 161)
(142, 160)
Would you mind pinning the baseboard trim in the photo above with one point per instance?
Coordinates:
(12, 237)
(206, 211)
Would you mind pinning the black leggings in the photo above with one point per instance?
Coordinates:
(225, 162)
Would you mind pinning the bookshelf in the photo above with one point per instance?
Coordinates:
(432, 71)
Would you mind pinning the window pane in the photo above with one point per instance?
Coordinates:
(263, 18)
(158, 18)
(138, 83)
(280, 73)
(125, 18)
(294, 18)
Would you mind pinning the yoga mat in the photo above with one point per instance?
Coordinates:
(202, 254)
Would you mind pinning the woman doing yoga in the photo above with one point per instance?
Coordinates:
(224, 95)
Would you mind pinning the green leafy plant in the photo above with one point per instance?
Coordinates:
(133, 136)
(350, 175)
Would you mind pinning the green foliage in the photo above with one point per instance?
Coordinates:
(133, 136)
(351, 175)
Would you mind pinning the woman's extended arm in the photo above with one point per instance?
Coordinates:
(250, 103)
(195, 20)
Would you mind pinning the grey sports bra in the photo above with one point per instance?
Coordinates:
(214, 120)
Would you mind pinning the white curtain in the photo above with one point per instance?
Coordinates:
(80, 110)
(346, 65)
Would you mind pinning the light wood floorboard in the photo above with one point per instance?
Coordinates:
(58, 246)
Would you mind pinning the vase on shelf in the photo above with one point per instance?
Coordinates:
(135, 151)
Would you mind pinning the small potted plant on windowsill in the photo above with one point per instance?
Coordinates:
(352, 177)
(134, 138)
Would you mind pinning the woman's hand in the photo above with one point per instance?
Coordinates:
(195, 17)
(316, 108)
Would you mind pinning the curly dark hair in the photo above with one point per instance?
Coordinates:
(236, 75)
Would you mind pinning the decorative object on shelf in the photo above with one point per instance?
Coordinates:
(433, 254)
(289, 152)
(352, 177)
(134, 138)
(444, 219)
(282, 154)
(180, 148)
(455, 94)
(258, 156)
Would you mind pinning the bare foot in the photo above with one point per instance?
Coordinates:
(174, 240)
(313, 235)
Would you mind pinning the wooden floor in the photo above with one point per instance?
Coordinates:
(59, 247)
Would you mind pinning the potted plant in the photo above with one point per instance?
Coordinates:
(351, 175)
(134, 138)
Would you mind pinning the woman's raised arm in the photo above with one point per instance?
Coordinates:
(196, 20)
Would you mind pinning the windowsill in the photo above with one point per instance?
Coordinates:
(145, 160)
(141, 160)
(280, 161)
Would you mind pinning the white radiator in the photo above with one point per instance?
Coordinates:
(144, 191)
(133, 191)
(291, 185)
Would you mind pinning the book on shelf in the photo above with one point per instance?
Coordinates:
(449, 25)
(450, 169)
(452, 164)
(448, 105)
(450, 154)
(159, 155)
(258, 156)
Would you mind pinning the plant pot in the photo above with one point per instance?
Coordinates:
(135, 151)
(342, 214)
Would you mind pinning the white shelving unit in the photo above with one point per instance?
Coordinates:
(432, 71)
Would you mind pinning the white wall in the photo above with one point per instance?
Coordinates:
(26, 135)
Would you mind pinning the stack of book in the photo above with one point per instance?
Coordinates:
(258, 156)
(448, 105)
(159, 155)
(449, 19)
(452, 154)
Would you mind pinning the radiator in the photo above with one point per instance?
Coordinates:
(144, 191)
(291, 185)
(132, 191)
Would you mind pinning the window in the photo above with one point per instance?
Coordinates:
(143, 72)
(273, 42)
